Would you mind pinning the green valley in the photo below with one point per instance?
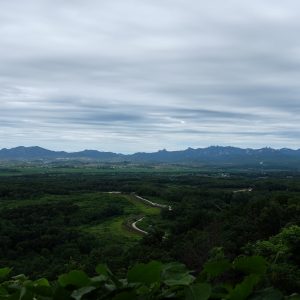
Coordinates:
(55, 222)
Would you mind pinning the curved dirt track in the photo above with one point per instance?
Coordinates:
(133, 225)
(151, 203)
(154, 204)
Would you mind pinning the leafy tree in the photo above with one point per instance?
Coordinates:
(153, 280)
(283, 253)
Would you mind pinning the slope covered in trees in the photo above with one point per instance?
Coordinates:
(53, 223)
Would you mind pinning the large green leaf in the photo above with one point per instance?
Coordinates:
(25, 294)
(4, 272)
(78, 294)
(42, 282)
(176, 274)
(251, 265)
(62, 294)
(198, 291)
(40, 287)
(267, 294)
(102, 269)
(216, 268)
(245, 288)
(3, 292)
(145, 273)
(180, 279)
(75, 278)
(294, 297)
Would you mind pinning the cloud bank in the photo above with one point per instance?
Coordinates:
(139, 75)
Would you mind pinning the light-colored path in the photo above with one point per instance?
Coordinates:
(133, 225)
(244, 190)
(153, 203)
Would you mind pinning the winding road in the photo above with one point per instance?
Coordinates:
(154, 204)
(148, 202)
(133, 225)
(243, 190)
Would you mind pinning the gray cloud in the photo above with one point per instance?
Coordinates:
(137, 75)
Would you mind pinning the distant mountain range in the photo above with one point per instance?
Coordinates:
(211, 155)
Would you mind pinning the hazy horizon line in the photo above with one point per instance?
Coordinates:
(158, 150)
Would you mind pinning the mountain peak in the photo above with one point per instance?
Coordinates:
(227, 155)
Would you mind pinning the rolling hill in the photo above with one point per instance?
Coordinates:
(213, 155)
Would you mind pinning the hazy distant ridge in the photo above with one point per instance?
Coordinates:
(213, 154)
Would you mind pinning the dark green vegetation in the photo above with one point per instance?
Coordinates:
(245, 277)
(54, 221)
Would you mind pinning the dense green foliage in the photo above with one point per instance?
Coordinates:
(153, 280)
(283, 253)
(53, 223)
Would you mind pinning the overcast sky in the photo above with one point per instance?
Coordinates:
(142, 75)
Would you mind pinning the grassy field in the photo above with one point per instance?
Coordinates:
(116, 226)
(92, 202)
(142, 207)
(18, 169)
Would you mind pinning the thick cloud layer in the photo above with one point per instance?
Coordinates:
(139, 75)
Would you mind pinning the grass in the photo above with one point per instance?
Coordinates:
(95, 201)
(158, 200)
(10, 169)
(142, 207)
(113, 227)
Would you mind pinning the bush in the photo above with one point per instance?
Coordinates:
(153, 280)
